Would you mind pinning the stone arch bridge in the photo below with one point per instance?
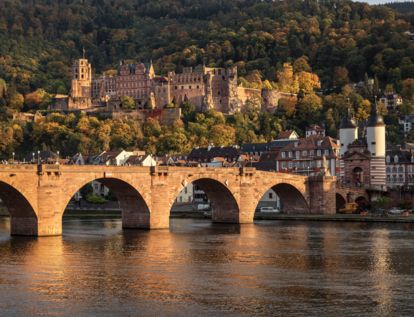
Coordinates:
(37, 195)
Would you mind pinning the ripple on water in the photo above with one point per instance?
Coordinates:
(202, 269)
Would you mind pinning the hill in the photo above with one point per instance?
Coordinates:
(402, 7)
(39, 39)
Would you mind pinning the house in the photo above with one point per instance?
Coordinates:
(315, 130)
(391, 101)
(141, 160)
(407, 123)
(400, 167)
(306, 156)
(287, 135)
(214, 156)
(115, 157)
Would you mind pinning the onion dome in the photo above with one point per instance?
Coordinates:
(348, 122)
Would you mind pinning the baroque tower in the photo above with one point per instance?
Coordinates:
(348, 133)
(377, 148)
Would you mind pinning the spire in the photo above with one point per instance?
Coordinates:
(375, 119)
(348, 122)
(83, 51)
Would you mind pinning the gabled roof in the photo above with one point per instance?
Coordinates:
(404, 156)
(212, 152)
(108, 155)
(357, 155)
(136, 159)
(287, 135)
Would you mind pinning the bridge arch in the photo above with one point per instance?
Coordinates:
(340, 202)
(22, 212)
(224, 205)
(134, 208)
(292, 199)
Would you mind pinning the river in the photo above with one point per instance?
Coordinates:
(271, 268)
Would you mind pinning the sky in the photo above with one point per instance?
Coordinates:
(381, 1)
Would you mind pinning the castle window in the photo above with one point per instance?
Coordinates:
(190, 86)
(224, 78)
(175, 87)
(218, 92)
(182, 87)
(270, 195)
(198, 86)
(373, 143)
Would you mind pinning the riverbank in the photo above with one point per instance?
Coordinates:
(262, 216)
(183, 214)
(336, 217)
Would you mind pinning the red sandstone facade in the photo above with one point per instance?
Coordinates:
(37, 196)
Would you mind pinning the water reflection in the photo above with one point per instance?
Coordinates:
(200, 268)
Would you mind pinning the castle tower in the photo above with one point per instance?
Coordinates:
(377, 148)
(81, 85)
(81, 78)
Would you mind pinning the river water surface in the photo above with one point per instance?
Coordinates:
(202, 269)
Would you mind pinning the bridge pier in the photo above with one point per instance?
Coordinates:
(23, 226)
(322, 192)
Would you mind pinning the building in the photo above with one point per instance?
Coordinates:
(136, 81)
(204, 87)
(363, 158)
(306, 156)
(81, 85)
(407, 123)
(400, 167)
(315, 130)
(391, 101)
(215, 156)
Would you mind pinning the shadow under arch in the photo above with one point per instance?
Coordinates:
(340, 202)
(134, 210)
(22, 214)
(224, 207)
(292, 200)
(362, 202)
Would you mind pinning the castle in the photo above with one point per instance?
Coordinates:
(204, 87)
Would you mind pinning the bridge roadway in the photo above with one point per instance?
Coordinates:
(37, 195)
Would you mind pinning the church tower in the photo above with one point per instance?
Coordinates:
(377, 148)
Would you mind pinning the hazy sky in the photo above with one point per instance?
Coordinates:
(380, 1)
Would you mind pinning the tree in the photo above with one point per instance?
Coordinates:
(3, 88)
(340, 76)
(222, 135)
(308, 82)
(302, 65)
(127, 103)
(16, 101)
(407, 91)
(309, 107)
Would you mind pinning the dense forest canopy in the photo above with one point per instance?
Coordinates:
(40, 38)
(310, 47)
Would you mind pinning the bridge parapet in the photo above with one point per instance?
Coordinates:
(146, 194)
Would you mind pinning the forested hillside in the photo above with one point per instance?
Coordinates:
(402, 7)
(38, 39)
(337, 41)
